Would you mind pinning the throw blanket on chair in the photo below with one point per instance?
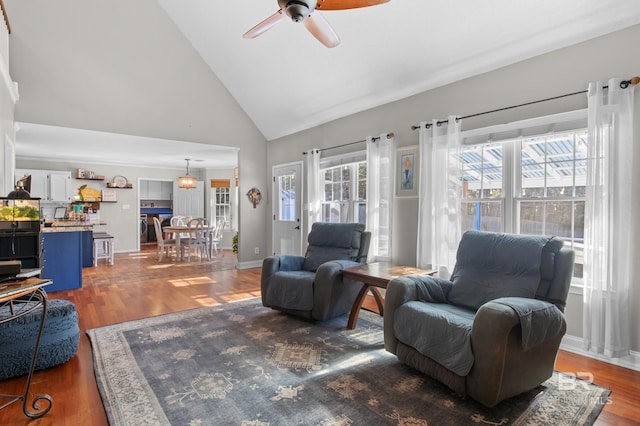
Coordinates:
(539, 320)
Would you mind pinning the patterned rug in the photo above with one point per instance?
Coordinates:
(243, 364)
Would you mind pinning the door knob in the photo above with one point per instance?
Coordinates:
(297, 227)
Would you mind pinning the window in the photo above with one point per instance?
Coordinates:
(528, 185)
(221, 198)
(287, 191)
(345, 193)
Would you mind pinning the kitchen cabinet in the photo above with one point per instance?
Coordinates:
(156, 190)
(48, 185)
(24, 246)
(63, 259)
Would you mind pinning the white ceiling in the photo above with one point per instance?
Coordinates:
(286, 81)
(51, 143)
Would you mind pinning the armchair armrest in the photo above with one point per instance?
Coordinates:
(404, 289)
(330, 286)
(502, 368)
(273, 264)
(539, 320)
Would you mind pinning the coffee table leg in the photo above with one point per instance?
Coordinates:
(379, 299)
(355, 309)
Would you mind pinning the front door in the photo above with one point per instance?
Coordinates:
(287, 209)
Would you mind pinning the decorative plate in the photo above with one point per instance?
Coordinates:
(120, 181)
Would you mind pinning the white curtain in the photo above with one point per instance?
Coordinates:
(314, 189)
(610, 252)
(439, 216)
(380, 196)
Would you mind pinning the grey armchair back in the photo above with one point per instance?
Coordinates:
(312, 286)
(493, 330)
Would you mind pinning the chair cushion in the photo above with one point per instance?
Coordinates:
(439, 331)
(493, 265)
(291, 290)
(332, 241)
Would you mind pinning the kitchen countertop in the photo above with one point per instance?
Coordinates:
(70, 226)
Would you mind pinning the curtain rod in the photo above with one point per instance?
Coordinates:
(389, 136)
(623, 85)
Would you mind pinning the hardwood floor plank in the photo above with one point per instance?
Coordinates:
(138, 287)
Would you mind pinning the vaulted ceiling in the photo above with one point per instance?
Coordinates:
(285, 80)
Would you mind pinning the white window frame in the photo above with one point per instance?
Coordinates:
(226, 206)
(509, 135)
(353, 160)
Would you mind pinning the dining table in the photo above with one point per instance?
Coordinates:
(177, 230)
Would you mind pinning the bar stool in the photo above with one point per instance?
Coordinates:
(105, 242)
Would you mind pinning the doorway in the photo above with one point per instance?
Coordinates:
(287, 209)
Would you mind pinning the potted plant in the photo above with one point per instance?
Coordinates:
(234, 244)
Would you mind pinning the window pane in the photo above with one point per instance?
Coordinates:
(482, 171)
(345, 193)
(287, 198)
(362, 181)
(483, 216)
(532, 217)
(362, 213)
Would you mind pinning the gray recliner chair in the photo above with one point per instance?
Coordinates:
(493, 330)
(312, 286)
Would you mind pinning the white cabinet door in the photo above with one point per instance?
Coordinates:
(188, 202)
(144, 189)
(60, 186)
(155, 190)
(39, 182)
(167, 190)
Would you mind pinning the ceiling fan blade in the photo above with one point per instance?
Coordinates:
(265, 25)
(346, 4)
(320, 29)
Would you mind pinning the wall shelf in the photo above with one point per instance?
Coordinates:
(82, 174)
(93, 178)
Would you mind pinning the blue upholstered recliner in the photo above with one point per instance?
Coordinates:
(493, 330)
(312, 286)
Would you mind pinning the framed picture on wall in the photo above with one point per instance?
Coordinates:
(109, 195)
(407, 174)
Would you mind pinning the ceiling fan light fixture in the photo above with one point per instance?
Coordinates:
(186, 181)
(297, 10)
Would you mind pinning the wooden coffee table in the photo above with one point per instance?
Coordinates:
(374, 276)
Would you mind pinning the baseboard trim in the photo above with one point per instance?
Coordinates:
(575, 344)
(249, 265)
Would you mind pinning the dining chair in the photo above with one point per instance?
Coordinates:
(216, 236)
(163, 244)
(197, 239)
(179, 221)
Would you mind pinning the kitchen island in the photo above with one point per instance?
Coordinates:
(67, 248)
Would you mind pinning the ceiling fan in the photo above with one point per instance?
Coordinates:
(303, 11)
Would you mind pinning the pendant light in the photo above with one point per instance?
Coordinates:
(186, 181)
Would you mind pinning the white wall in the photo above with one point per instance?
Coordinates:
(560, 72)
(8, 96)
(124, 67)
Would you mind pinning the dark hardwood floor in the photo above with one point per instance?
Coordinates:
(137, 287)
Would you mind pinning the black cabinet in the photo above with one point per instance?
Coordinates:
(25, 246)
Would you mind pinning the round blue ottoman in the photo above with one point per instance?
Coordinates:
(58, 344)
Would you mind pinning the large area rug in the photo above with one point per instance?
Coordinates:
(243, 364)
